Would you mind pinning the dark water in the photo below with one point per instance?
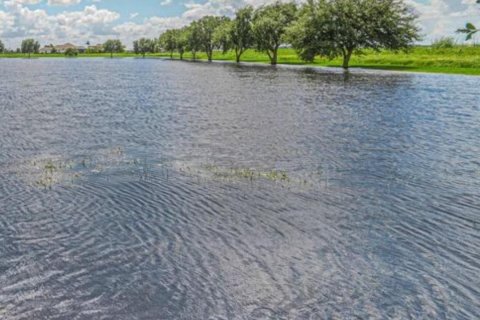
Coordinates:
(147, 189)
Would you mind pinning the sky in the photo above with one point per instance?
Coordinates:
(79, 21)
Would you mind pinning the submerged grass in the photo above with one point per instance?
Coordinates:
(456, 60)
(248, 174)
(47, 171)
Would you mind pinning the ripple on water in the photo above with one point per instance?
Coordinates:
(201, 191)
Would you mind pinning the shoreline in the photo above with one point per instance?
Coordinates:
(284, 61)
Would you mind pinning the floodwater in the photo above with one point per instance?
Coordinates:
(150, 189)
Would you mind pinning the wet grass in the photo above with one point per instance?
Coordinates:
(456, 60)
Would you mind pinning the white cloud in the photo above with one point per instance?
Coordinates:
(63, 2)
(442, 17)
(19, 21)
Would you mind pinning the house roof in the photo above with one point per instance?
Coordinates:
(65, 46)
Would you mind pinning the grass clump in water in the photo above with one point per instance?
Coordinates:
(248, 174)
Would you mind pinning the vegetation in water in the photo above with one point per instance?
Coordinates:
(248, 174)
(232, 174)
(48, 171)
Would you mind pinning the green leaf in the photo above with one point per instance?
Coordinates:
(469, 36)
(470, 26)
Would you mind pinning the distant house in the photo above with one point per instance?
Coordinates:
(47, 49)
(62, 48)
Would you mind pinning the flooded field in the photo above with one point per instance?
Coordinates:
(150, 189)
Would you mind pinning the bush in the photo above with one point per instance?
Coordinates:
(71, 52)
(443, 43)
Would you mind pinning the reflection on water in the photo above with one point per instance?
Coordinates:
(146, 189)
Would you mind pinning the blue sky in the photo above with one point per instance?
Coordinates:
(78, 21)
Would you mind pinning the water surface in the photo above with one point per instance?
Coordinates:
(149, 189)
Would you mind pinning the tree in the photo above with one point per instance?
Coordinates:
(240, 34)
(113, 46)
(168, 41)
(221, 36)
(144, 46)
(30, 46)
(269, 27)
(136, 48)
(469, 29)
(71, 52)
(206, 27)
(194, 41)
(2, 47)
(181, 41)
(334, 28)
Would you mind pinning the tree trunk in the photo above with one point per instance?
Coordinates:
(111, 55)
(274, 57)
(194, 55)
(346, 58)
(238, 54)
(181, 55)
(171, 55)
(209, 54)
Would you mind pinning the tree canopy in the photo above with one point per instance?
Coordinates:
(334, 28)
(205, 31)
(194, 42)
(144, 46)
(239, 33)
(71, 52)
(30, 46)
(2, 47)
(270, 24)
(328, 28)
(113, 46)
(168, 40)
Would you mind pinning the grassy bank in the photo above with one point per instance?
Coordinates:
(457, 60)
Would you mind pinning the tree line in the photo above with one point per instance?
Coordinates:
(329, 28)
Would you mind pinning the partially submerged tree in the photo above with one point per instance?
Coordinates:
(194, 40)
(221, 36)
(113, 46)
(269, 27)
(240, 33)
(136, 48)
(144, 46)
(168, 41)
(71, 52)
(181, 41)
(206, 30)
(335, 28)
(30, 46)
